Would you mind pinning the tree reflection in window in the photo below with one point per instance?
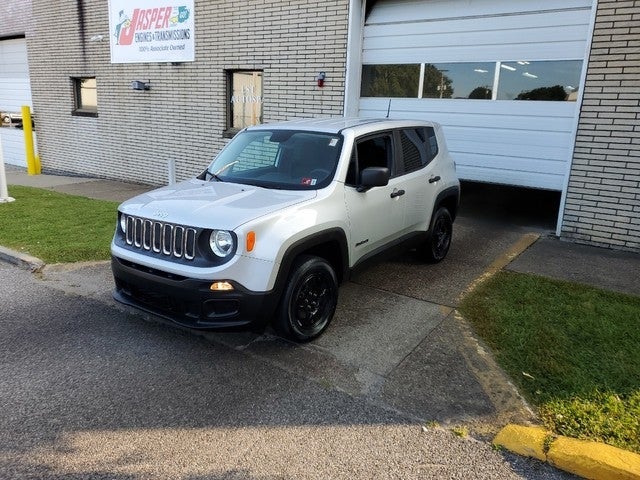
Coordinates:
(465, 80)
(556, 93)
(481, 93)
(437, 83)
(390, 81)
(553, 80)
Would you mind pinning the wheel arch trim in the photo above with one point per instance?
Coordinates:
(450, 193)
(308, 244)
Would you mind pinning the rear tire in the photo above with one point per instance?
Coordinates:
(440, 233)
(309, 300)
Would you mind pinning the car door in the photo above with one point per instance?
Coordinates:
(419, 175)
(376, 216)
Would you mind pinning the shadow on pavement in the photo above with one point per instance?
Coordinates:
(93, 391)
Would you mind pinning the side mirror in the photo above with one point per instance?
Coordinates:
(373, 177)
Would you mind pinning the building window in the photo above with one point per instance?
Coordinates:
(472, 81)
(245, 99)
(551, 80)
(400, 81)
(85, 96)
(510, 80)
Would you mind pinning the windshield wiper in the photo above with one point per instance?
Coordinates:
(216, 174)
(214, 177)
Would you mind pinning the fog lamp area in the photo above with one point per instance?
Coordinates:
(222, 286)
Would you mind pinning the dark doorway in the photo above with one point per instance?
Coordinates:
(526, 207)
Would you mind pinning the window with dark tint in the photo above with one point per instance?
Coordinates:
(371, 152)
(419, 147)
(413, 151)
(431, 143)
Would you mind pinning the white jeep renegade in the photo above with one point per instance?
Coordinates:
(280, 217)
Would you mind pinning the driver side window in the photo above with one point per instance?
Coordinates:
(370, 152)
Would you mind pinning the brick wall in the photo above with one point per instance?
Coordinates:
(15, 16)
(183, 116)
(603, 198)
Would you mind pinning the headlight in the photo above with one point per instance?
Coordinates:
(123, 223)
(221, 243)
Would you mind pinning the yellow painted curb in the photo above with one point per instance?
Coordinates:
(588, 459)
(527, 441)
(515, 250)
(594, 460)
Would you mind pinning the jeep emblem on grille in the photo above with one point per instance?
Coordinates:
(160, 214)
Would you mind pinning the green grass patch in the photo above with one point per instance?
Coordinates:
(573, 350)
(56, 227)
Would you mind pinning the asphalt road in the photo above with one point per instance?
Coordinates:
(90, 390)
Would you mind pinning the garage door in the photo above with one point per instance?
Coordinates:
(503, 78)
(15, 91)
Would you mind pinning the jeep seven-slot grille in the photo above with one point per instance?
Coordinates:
(161, 238)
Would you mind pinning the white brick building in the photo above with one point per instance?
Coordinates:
(184, 114)
(603, 197)
(580, 138)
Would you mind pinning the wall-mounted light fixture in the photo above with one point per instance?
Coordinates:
(140, 85)
(320, 78)
(96, 38)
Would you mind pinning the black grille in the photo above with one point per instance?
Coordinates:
(162, 238)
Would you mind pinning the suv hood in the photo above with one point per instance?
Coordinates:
(218, 205)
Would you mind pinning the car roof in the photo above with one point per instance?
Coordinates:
(337, 124)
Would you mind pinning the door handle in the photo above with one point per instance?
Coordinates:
(396, 193)
(434, 179)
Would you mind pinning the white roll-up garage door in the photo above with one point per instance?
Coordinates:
(502, 77)
(15, 91)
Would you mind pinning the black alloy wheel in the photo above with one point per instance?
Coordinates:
(309, 300)
(440, 236)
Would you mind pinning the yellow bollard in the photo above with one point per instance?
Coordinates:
(27, 127)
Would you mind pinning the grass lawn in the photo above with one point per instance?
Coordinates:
(573, 350)
(56, 227)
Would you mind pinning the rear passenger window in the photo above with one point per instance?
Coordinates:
(431, 143)
(413, 151)
(419, 147)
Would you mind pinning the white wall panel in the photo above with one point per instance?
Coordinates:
(411, 10)
(515, 143)
(527, 143)
(15, 91)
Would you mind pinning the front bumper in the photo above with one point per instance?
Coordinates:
(189, 302)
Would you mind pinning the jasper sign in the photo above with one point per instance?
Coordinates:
(146, 31)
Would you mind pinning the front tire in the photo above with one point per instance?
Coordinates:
(309, 300)
(440, 234)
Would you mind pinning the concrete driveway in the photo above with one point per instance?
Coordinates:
(396, 340)
(89, 389)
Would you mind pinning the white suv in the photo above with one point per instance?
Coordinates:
(280, 217)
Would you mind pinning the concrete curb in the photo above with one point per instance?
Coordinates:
(587, 459)
(22, 260)
(513, 252)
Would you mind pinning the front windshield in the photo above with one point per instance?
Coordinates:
(285, 159)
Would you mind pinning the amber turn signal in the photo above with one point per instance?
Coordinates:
(251, 240)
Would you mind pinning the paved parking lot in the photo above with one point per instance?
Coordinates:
(395, 340)
(93, 389)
